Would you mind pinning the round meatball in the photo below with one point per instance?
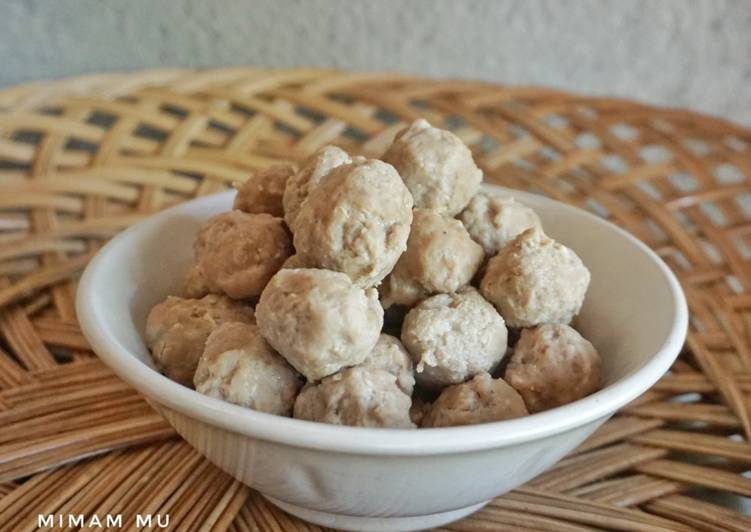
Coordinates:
(493, 220)
(237, 253)
(440, 258)
(356, 221)
(195, 284)
(177, 328)
(263, 191)
(359, 397)
(436, 166)
(318, 320)
(480, 400)
(307, 177)
(452, 337)
(552, 365)
(239, 367)
(389, 355)
(535, 280)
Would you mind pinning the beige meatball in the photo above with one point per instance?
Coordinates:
(359, 397)
(493, 220)
(479, 400)
(452, 337)
(440, 258)
(552, 365)
(436, 166)
(389, 355)
(239, 366)
(237, 252)
(195, 284)
(263, 191)
(177, 328)
(318, 320)
(307, 177)
(356, 221)
(535, 280)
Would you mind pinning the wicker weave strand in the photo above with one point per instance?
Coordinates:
(81, 159)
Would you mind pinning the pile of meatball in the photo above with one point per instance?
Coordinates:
(379, 293)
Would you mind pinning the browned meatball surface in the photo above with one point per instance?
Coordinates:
(479, 400)
(237, 253)
(263, 191)
(553, 365)
(177, 328)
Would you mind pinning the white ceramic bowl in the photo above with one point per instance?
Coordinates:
(386, 479)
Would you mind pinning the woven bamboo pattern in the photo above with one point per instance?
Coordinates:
(81, 159)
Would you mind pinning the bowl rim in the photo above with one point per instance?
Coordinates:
(361, 440)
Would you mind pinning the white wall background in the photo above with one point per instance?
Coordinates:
(694, 53)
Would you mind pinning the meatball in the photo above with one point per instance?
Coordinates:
(535, 280)
(441, 257)
(195, 284)
(237, 253)
(389, 355)
(480, 400)
(452, 337)
(356, 221)
(436, 166)
(312, 170)
(553, 365)
(177, 328)
(263, 191)
(238, 366)
(359, 397)
(493, 221)
(318, 320)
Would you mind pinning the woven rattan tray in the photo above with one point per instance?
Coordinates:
(81, 159)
